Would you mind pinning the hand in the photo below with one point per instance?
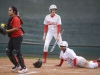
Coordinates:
(58, 65)
(43, 37)
(3, 31)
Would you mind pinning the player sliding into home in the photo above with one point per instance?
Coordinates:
(52, 23)
(73, 60)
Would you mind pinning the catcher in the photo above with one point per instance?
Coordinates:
(15, 34)
(73, 60)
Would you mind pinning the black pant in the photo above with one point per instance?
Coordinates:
(15, 44)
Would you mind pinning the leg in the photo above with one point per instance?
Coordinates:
(82, 62)
(16, 52)
(11, 57)
(60, 39)
(9, 50)
(46, 45)
(92, 64)
(20, 59)
(97, 61)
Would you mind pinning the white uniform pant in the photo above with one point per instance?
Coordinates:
(48, 39)
(82, 62)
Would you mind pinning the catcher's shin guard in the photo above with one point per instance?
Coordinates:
(11, 57)
(20, 58)
(21, 61)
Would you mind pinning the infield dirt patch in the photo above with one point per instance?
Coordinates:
(48, 68)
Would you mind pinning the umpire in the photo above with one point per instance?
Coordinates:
(15, 33)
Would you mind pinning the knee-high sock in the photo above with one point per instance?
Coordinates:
(45, 55)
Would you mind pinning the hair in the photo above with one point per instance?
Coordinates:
(16, 13)
(14, 9)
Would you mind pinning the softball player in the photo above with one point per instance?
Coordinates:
(73, 60)
(15, 34)
(52, 23)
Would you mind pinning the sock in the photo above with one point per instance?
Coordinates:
(45, 55)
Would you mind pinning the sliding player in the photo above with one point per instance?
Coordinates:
(73, 60)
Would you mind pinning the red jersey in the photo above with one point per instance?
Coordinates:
(16, 23)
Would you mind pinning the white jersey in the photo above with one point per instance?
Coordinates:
(52, 22)
(69, 56)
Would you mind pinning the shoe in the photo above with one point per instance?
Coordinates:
(23, 70)
(43, 61)
(16, 68)
(58, 65)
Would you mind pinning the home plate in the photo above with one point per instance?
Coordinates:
(28, 73)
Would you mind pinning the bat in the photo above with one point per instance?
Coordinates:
(55, 43)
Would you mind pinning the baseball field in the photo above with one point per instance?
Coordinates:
(80, 20)
(48, 68)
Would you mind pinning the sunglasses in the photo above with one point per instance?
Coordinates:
(62, 46)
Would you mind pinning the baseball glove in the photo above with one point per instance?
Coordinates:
(3, 31)
(37, 64)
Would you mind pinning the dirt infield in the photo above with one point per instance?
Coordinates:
(48, 68)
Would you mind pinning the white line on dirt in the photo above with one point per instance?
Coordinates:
(28, 73)
(2, 67)
(54, 69)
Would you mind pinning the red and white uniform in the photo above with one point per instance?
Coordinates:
(52, 24)
(73, 60)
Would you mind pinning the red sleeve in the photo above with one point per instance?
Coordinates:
(74, 61)
(58, 30)
(15, 22)
(45, 28)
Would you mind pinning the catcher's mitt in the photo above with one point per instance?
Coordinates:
(37, 64)
(3, 29)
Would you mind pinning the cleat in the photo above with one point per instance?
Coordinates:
(15, 68)
(23, 70)
(43, 61)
